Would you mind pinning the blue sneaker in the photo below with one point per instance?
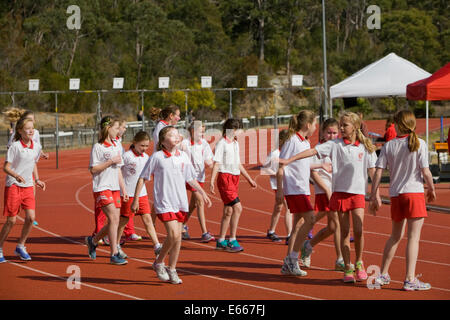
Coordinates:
(117, 260)
(233, 246)
(2, 258)
(22, 253)
(35, 223)
(91, 247)
(221, 245)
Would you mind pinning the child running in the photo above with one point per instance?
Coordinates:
(352, 156)
(171, 169)
(200, 154)
(20, 164)
(270, 167)
(406, 157)
(228, 168)
(293, 184)
(134, 161)
(323, 189)
(107, 180)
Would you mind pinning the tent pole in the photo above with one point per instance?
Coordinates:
(426, 111)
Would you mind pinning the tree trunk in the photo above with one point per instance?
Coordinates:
(74, 49)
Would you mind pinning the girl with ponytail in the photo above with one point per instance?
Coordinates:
(352, 158)
(406, 157)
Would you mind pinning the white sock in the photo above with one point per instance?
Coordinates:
(270, 231)
(221, 239)
(293, 255)
(20, 246)
(232, 239)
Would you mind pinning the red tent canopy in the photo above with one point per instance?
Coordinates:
(435, 87)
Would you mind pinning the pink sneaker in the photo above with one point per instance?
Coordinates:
(348, 276)
(361, 274)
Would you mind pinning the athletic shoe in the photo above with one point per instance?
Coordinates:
(173, 276)
(348, 276)
(134, 237)
(310, 234)
(221, 245)
(383, 279)
(416, 285)
(2, 258)
(35, 223)
(22, 253)
(106, 240)
(161, 271)
(339, 265)
(185, 235)
(361, 274)
(120, 252)
(291, 267)
(117, 260)
(273, 236)
(233, 246)
(207, 237)
(91, 247)
(306, 254)
(287, 240)
(100, 242)
(157, 248)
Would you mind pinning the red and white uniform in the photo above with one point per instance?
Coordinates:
(406, 181)
(36, 139)
(198, 153)
(296, 175)
(159, 126)
(226, 153)
(321, 199)
(22, 160)
(170, 174)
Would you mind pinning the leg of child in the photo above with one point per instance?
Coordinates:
(344, 222)
(412, 248)
(150, 228)
(123, 221)
(302, 233)
(398, 229)
(191, 209)
(129, 228)
(358, 219)
(225, 223)
(297, 222)
(237, 210)
(176, 245)
(28, 224)
(287, 219)
(110, 229)
(198, 200)
(9, 223)
(172, 230)
(333, 223)
(277, 207)
(323, 233)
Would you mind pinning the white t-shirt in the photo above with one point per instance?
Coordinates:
(133, 165)
(297, 173)
(272, 164)
(107, 179)
(118, 141)
(159, 126)
(22, 160)
(227, 154)
(323, 174)
(36, 139)
(404, 166)
(170, 174)
(350, 164)
(198, 153)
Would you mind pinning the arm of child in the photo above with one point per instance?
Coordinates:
(327, 166)
(280, 196)
(319, 181)
(39, 183)
(197, 187)
(428, 177)
(305, 154)
(102, 166)
(137, 192)
(122, 187)
(7, 169)
(247, 176)
(375, 200)
(215, 170)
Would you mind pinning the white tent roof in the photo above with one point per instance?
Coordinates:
(388, 76)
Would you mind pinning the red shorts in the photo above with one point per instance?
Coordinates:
(298, 203)
(321, 202)
(189, 188)
(344, 202)
(228, 186)
(180, 216)
(105, 197)
(408, 206)
(16, 197)
(144, 207)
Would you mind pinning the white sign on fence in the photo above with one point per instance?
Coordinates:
(118, 83)
(33, 85)
(297, 80)
(252, 81)
(163, 82)
(74, 84)
(206, 82)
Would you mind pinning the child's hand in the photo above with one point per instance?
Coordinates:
(116, 159)
(431, 195)
(125, 197)
(252, 183)
(373, 208)
(211, 188)
(207, 200)
(45, 155)
(20, 179)
(41, 184)
(283, 162)
(135, 205)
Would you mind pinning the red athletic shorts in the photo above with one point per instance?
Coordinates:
(321, 202)
(16, 197)
(180, 216)
(189, 188)
(105, 197)
(408, 206)
(228, 186)
(344, 202)
(298, 203)
(144, 207)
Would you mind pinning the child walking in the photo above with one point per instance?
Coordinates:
(323, 189)
(171, 169)
(200, 154)
(169, 116)
(406, 158)
(352, 156)
(293, 184)
(270, 167)
(134, 161)
(20, 165)
(107, 180)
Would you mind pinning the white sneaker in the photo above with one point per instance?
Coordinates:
(306, 254)
(174, 276)
(291, 267)
(161, 271)
(157, 248)
(122, 254)
(134, 237)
